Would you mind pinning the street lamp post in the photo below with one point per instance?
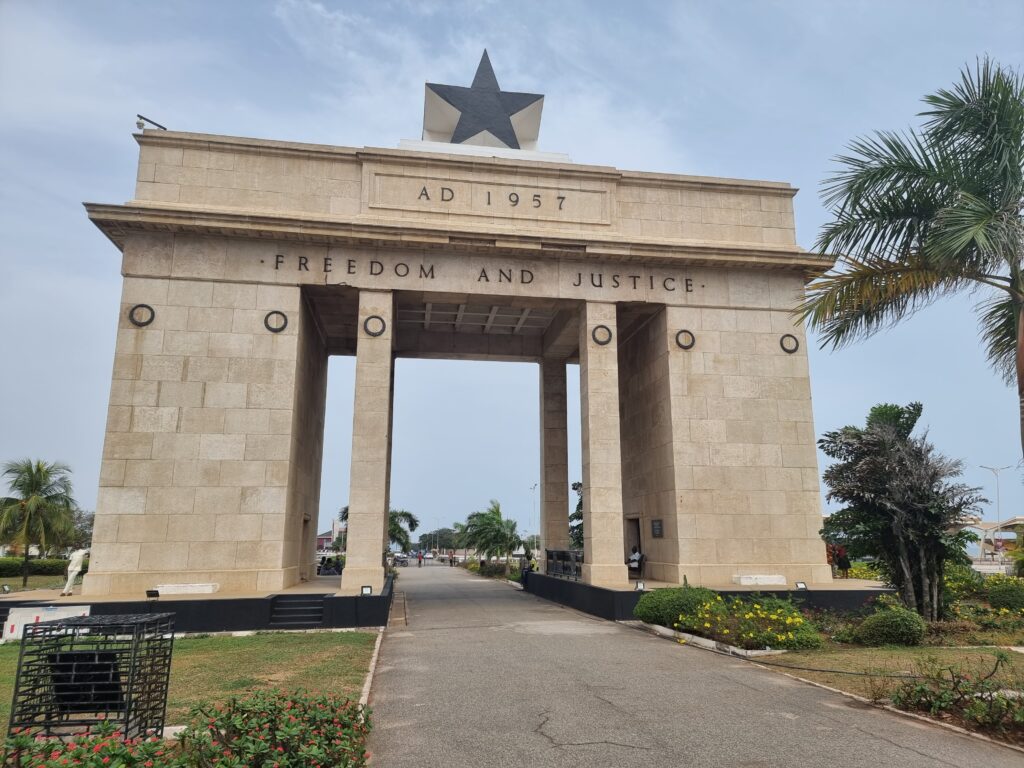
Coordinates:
(533, 517)
(999, 510)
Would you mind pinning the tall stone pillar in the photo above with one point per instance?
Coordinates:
(603, 553)
(554, 459)
(368, 486)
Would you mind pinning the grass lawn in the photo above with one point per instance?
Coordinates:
(37, 582)
(212, 669)
(894, 661)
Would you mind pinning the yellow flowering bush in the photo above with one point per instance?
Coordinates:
(861, 570)
(751, 623)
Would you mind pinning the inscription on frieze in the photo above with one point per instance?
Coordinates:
(391, 271)
(528, 200)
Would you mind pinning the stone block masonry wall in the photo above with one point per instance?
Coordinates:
(744, 450)
(599, 432)
(319, 182)
(307, 442)
(199, 438)
(648, 480)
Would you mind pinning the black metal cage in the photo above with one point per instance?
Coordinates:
(74, 673)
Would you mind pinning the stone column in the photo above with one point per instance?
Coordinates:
(604, 556)
(368, 486)
(554, 459)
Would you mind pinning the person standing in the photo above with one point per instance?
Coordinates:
(74, 568)
(842, 562)
(419, 559)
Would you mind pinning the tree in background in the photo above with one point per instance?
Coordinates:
(40, 509)
(922, 215)
(576, 519)
(491, 534)
(901, 506)
(401, 523)
(442, 539)
(80, 534)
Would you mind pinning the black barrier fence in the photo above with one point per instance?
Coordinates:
(564, 563)
(617, 605)
(230, 614)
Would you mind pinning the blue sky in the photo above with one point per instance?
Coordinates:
(763, 90)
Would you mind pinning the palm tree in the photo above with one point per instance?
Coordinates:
(40, 508)
(491, 534)
(922, 215)
(400, 524)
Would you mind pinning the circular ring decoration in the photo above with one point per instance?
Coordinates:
(374, 325)
(789, 343)
(685, 339)
(275, 321)
(141, 315)
(601, 335)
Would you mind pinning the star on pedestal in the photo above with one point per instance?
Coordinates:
(482, 114)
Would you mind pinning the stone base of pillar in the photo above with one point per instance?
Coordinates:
(354, 578)
(239, 582)
(607, 576)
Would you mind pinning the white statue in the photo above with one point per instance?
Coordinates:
(74, 568)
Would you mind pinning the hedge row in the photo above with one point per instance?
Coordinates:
(10, 567)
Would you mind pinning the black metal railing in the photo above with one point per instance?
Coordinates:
(564, 563)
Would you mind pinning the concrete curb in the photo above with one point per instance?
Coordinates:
(700, 642)
(364, 697)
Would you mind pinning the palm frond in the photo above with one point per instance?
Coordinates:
(998, 319)
(868, 295)
(983, 116)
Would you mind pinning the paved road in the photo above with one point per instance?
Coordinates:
(485, 675)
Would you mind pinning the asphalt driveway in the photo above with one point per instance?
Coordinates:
(485, 675)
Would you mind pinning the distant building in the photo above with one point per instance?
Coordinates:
(326, 539)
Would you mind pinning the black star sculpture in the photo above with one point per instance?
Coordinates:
(482, 114)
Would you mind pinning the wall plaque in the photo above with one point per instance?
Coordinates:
(657, 529)
(529, 200)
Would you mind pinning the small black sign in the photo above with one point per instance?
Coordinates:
(657, 529)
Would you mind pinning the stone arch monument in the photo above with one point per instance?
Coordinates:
(247, 263)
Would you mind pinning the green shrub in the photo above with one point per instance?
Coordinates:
(981, 702)
(963, 582)
(492, 570)
(664, 606)
(10, 567)
(891, 626)
(1007, 592)
(753, 623)
(1017, 555)
(276, 728)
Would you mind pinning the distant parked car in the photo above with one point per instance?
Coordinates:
(428, 556)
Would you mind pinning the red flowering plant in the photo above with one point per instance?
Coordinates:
(264, 729)
(273, 729)
(103, 747)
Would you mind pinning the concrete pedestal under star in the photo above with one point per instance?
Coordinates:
(482, 114)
